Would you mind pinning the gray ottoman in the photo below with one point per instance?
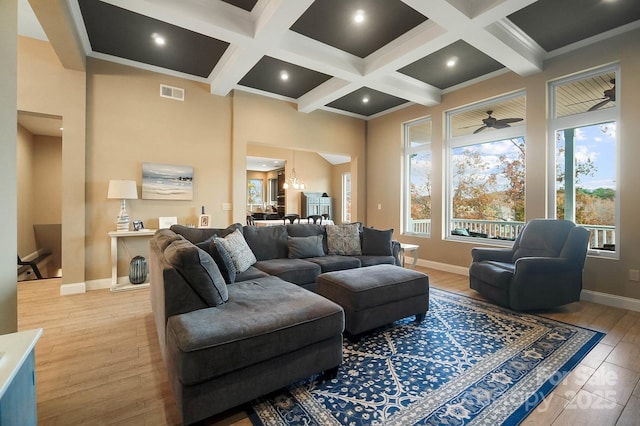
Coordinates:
(376, 295)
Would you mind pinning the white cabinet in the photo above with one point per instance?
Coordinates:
(315, 203)
(18, 378)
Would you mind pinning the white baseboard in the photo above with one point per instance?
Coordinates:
(611, 300)
(454, 269)
(99, 284)
(586, 295)
(74, 288)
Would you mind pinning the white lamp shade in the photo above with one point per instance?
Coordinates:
(123, 189)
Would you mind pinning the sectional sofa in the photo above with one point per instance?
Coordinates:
(229, 333)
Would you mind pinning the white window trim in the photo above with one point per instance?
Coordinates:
(405, 208)
(344, 197)
(469, 140)
(582, 120)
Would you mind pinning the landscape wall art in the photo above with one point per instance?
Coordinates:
(167, 182)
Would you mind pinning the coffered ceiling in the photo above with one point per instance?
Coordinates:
(315, 53)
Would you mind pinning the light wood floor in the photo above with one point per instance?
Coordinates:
(98, 361)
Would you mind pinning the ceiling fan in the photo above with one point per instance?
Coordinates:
(609, 96)
(496, 123)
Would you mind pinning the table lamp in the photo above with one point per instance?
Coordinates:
(123, 190)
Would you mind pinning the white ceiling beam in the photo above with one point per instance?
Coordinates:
(325, 93)
(503, 42)
(270, 27)
(405, 87)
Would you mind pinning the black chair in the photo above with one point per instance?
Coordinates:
(315, 218)
(33, 264)
(325, 216)
(250, 220)
(291, 217)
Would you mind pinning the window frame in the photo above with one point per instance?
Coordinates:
(406, 169)
(452, 142)
(261, 186)
(587, 118)
(346, 203)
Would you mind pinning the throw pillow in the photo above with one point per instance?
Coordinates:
(223, 259)
(239, 250)
(343, 239)
(376, 242)
(199, 271)
(302, 247)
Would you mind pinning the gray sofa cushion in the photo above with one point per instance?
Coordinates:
(196, 235)
(297, 271)
(283, 318)
(376, 242)
(267, 242)
(223, 259)
(376, 260)
(335, 262)
(164, 237)
(250, 274)
(199, 270)
(303, 247)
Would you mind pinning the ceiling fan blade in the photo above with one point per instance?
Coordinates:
(500, 125)
(585, 102)
(599, 105)
(508, 120)
(478, 130)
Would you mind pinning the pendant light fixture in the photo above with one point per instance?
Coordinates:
(293, 181)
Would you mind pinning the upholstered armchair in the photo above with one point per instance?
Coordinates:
(543, 269)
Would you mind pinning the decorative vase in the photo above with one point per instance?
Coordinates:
(138, 270)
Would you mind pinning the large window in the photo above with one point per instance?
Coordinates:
(254, 195)
(417, 168)
(583, 128)
(486, 169)
(346, 197)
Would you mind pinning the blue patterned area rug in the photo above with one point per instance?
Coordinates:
(468, 363)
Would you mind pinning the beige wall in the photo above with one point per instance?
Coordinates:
(336, 189)
(47, 179)
(259, 120)
(44, 86)
(129, 123)
(384, 159)
(26, 211)
(8, 173)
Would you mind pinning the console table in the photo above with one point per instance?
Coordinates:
(115, 235)
(17, 378)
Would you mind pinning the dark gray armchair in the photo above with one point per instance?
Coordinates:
(543, 269)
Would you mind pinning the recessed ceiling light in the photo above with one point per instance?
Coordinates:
(452, 61)
(359, 16)
(284, 75)
(365, 99)
(160, 41)
(61, 128)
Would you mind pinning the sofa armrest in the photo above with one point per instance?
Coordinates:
(479, 254)
(395, 251)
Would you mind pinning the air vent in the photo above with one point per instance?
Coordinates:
(172, 92)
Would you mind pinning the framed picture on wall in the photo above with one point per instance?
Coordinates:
(167, 182)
